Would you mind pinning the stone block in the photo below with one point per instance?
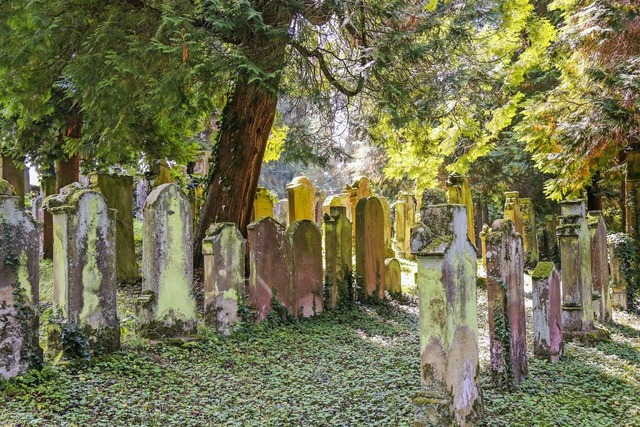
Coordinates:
(302, 196)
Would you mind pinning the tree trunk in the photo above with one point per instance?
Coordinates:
(594, 198)
(67, 171)
(237, 159)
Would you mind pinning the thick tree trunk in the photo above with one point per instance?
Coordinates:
(237, 159)
(67, 171)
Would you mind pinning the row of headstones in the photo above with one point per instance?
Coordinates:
(286, 265)
(447, 293)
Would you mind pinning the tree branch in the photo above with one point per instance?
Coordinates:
(326, 72)
(317, 14)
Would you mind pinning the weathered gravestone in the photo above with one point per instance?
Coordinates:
(529, 233)
(267, 265)
(318, 207)
(84, 268)
(335, 200)
(19, 287)
(393, 276)
(399, 213)
(303, 248)
(512, 210)
(505, 295)
(359, 189)
(302, 197)
(263, 205)
(618, 244)
(118, 192)
(386, 211)
(167, 303)
(370, 248)
(224, 252)
(548, 243)
(577, 287)
(460, 194)
(448, 319)
(599, 266)
(281, 212)
(483, 244)
(547, 312)
(338, 256)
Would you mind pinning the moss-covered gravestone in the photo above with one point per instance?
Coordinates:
(224, 251)
(505, 295)
(616, 244)
(118, 191)
(577, 285)
(386, 211)
(302, 198)
(338, 257)
(448, 322)
(547, 312)
(330, 201)
(370, 248)
(399, 209)
(393, 276)
(360, 188)
(529, 232)
(460, 194)
(599, 266)
(19, 287)
(167, 305)
(512, 210)
(84, 269)
(318, 207)
(303, 248)
(405, 220)
(483, 244)
(263, 205)
(268, 269)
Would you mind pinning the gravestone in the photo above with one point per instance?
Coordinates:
(460, 194)
(547, 312)
(483, 244)
(448, 319)
(161, 173)
(118, 192)
(318, 207)
(512, 210)
(281, 212)
(370, 248)
(84, 267)
(359, 189)
(617, 243)
(19, 287)
(224, 251)
(302, 196)
(263, 205)
(529, 233)
(599, 266)
(400, 212)
(338, 256)
(167, 304)
(303, 249)
(505, 296)
(48, 188)
(386, 210)
(267, 265)
(335, 200)
(393, 276)
(577, 286)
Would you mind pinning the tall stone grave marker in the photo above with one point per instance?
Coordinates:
(393, 276)
(268, 268)
(302, 198)
(512, 210)
(529, 234)
(338, 256)
(281, 212)
(446, 279)
(370, 248)
(263, 205)
(618, 281)
(167, 303)
(599, 266)
(84, 266)
(19, 287)
(575, 254)
(547, 312)
(303, 248)
(460, 194)
(224, 251)
(118, 192)
(386, 210)
(505, 295)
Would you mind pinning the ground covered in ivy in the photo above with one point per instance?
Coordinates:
(349, 368)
